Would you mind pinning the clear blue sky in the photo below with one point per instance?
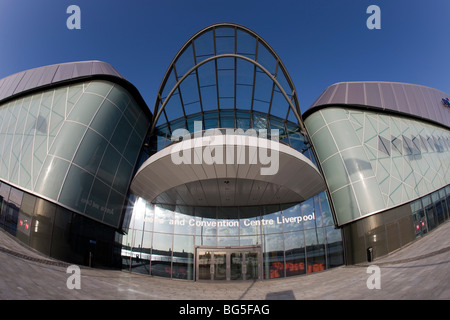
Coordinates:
(320, 42)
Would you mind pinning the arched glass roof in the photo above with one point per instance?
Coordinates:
(226, 67)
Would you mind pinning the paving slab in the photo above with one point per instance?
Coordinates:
(419, 271)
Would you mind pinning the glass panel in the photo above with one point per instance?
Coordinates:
(220, 266)
(119, 97)
(51, 177)
(204, 46)
(236, 268)
(246, 44)
(315, 250)
(266, 59)
(100, 87)
(161, 255)
(121, 134)
(106, 119)
(90, 152)
(263, 91)
(185, 61)
(183, 257)
(96, 205)
(224, 43)
(272, 225)
(335, 250)
(335, 173)
(123, 176)
(133, 147)
(251, 266)
(76, 188)
(295, 253)
(293, 217)
(67, 140)
(85, 108)
(273, 256)
(108, 167)
(204, 265)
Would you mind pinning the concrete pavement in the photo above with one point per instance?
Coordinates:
(421, 270)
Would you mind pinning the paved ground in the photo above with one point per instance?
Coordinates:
(418, 271)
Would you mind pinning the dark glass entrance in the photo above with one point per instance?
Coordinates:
(228, 263)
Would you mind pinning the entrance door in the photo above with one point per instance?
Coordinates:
(225, 264)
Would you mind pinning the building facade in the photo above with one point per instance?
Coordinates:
(70, 138)
(384, 149)
(225, 179)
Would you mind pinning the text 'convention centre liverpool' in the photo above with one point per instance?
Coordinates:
(223, 179)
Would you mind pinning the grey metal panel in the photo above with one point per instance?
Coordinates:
(414, 101)
(388, 96)
(325, 97)
(373, 94)
(340, 93)
(23, 82)
(402, 100)
(82, 69)
(14, 81)
(46, 75)
(64, 72)
(36, 75)
(355, 93)
(417, 100)
(2, 87)
(425, 105)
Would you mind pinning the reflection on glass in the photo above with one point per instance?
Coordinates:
(250, 270)
(236, 269)
(315, 250)
(220, 266)
(183, 257)
(273, 256)
(161, 254)
(293, 243)
(295, 253)
(204, 265)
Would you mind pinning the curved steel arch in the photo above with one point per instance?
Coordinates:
(160, 104)
(175, 87)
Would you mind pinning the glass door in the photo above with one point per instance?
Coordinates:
(204, 265)
(220, 264)
(227, 264)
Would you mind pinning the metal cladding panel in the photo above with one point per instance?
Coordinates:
(417, 100)
(373, 94)
(356, 94)
(43, 76)
(388, 95)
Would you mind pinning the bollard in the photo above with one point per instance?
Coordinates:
(369, 254)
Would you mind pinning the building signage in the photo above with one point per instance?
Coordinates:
(446, 102)
(235, 223)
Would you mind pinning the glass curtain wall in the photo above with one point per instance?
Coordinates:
(430, 211)
(295, 238)
(56, 231)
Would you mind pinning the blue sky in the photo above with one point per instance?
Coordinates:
(320, 42)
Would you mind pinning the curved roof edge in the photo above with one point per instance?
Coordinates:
(27, 81)
(419, 101)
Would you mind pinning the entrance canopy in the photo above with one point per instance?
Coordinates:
(227, 170)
